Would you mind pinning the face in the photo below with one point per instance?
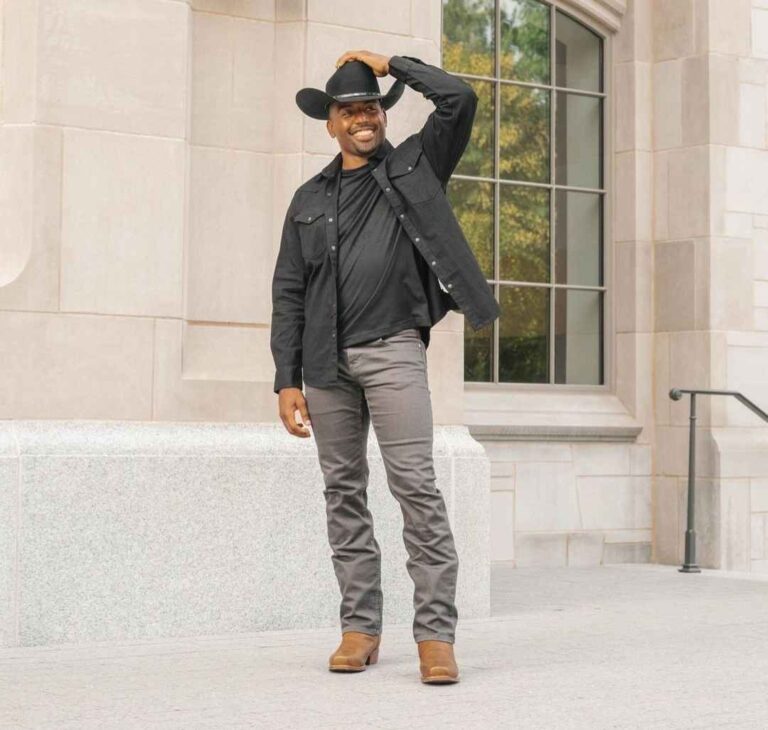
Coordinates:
(359, 126)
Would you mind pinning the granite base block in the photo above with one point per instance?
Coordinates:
(127, 530)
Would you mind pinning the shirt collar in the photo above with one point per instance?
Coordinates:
(381, 152)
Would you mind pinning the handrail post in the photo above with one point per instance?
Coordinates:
(689, 566)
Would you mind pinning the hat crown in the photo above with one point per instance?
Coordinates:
(352, 77)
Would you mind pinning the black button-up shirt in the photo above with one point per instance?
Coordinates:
(413, 177)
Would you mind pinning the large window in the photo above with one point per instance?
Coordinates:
(528, 191)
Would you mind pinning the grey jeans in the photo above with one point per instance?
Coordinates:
(384, 381)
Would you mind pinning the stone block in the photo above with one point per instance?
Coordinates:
(137, 531)
(30, 217)
(615, 501)
(541, 550)
(75, 366)
(230, 236)
(546, 498)
(231, 86)
(585, 549)
(122, 224)
(502, 526)
(600, 459)
(627, 553)
(116, 65)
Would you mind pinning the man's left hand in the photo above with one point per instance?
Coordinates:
(379, 64)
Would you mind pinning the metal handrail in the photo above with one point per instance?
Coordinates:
(689, 566)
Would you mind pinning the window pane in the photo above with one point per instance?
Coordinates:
(468, 36)
(477, 159)
(524, 134)
(524, 41)
(578, 337)
(472, 203)
(577, 55)
(478, 353)
(578, 251)
(524, 233)
(577, 140)
(523, 334)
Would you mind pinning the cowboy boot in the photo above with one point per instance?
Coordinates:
(355, 652)
(437, 663)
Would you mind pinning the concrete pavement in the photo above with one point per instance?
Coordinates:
(620, 646)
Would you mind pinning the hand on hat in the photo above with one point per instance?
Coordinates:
(379, 64)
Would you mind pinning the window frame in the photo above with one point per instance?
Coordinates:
(608, 318)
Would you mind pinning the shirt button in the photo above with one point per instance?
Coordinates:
(402, 215)
(333, 335)
(417, 239)
(328, 193)
(386, 189)
(330, 220)
(309, 217)
(333, 248)
(434, 262)
(450, 286)
(410, 168)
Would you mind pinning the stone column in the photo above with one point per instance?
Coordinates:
(704, 106)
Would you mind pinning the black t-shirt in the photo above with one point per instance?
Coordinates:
(379, 288)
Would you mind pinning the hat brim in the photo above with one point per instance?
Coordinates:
(315, 103)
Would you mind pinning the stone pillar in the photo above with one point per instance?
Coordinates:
(706, 114)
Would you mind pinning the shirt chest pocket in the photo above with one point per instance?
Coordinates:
(311, 226)
(413, 178)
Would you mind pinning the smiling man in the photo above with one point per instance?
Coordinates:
(371, 258)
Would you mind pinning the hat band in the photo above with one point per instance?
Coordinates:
(358, 93)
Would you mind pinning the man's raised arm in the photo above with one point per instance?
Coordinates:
(445, 134)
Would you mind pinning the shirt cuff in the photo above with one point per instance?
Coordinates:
(288, 377)
(399, 66)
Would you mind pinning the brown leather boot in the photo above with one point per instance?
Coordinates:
(355, 652)
(437, 663)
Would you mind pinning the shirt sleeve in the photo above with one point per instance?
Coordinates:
(288, 288)
(445, 135)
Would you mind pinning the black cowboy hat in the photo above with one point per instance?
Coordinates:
(352, 81)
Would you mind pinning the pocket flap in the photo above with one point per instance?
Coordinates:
(308, 215)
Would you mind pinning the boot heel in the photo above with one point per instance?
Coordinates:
(373, 657)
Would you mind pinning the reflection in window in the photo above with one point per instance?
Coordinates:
(528, 191)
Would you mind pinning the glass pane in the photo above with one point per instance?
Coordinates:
(472, 202)
(477, 159)
(524, 233)
(478, 353)
(578, 228)
(577, 140)
(468, 36)
(577, 55)
(523, 334)
(524, 41)
(578, 337)
(524, 134)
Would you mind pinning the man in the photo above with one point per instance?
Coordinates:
(372, 257)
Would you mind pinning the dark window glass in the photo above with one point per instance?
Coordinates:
(524, 43)
(578, 238)
(578, 336)
(468, 36)
(578, 134)
(478, 353)
(524, 233)
(577, 55)
(537, 217)
(472, 202)
(524, 139)
(477, 159)
(523, 334)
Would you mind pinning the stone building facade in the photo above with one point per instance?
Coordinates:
(149, 149)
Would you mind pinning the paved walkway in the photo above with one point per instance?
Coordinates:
(626, 646)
